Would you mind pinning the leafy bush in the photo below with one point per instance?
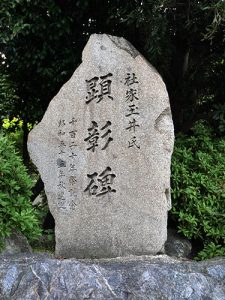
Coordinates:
(198, 189)
(16, 137)
(13, 124)
(13, 129)
(16, 211)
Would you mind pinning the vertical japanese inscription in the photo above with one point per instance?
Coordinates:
(61, 164)
(132, 109)
(72, 179)
(99, 135)
(66, 184)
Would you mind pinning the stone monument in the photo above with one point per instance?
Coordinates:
(103, 149)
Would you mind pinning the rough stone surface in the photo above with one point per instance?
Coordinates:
(38, 200)
(103, 149)
(177, 245)
(16, 243)
(156, 278)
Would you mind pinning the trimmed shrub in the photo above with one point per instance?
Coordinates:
(16, 211)
(198, 189)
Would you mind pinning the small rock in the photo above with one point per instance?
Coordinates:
(38, 200)
(16, 243)
(176, 245)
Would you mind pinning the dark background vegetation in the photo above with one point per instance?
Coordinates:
(41, 44)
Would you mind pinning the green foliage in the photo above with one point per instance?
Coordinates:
(16, 137)
(14, 133)
(211, 250)
(13, 129)
(218, 10)
(41, 44)
(185, 41)
(198, 188)
(38, 52)
(8, 97)
(13, 124)
(16, 211)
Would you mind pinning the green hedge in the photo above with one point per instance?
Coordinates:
(16, 211)
(198, 189)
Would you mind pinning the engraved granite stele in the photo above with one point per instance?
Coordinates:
(103, 149)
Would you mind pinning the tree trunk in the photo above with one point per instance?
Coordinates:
(180, 65)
